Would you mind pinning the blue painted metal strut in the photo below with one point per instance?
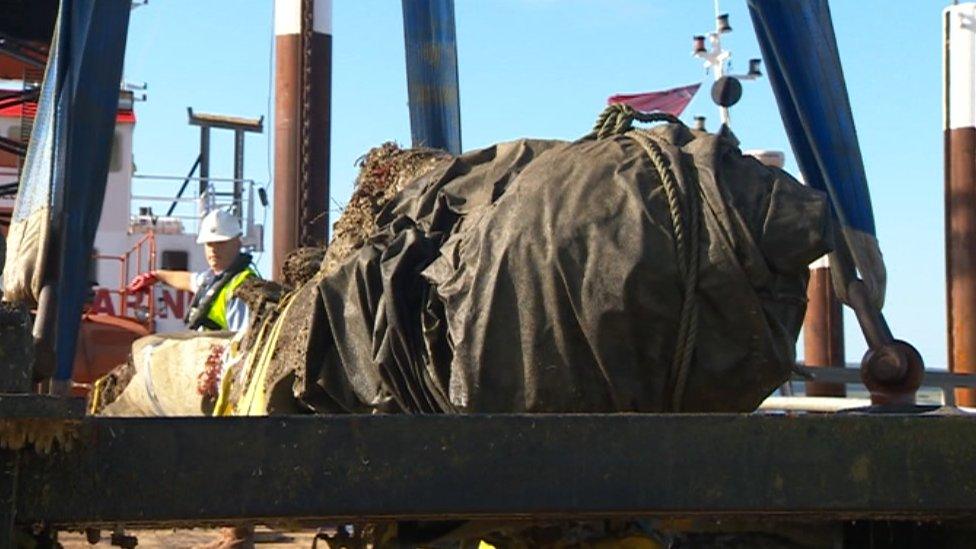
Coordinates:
(800, 52)
(432, 74)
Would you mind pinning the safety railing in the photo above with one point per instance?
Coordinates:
(178, 205)
(939, 389)
(141, 258)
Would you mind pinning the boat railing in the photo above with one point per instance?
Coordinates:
(174, 208)
(140, 258)
(940, 388)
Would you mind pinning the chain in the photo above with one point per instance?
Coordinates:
(305, 237)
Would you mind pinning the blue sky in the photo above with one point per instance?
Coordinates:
(544, 68)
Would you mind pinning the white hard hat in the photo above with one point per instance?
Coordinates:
(219, 226)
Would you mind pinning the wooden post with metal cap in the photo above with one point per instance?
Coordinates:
(823, 329)
(303, 95)
(959, 123)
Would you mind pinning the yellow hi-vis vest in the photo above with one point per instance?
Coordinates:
(218, 310)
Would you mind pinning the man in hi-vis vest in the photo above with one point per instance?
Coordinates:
(214, 306)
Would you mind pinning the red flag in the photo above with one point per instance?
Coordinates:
(671, 101)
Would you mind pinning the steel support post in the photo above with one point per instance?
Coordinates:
(16, 363)
(238, 171)
(8, 497)
(303, 95)
(235, 124)
(316, 124)
(959, 118)
(22, 413)
(823, 329)
(204, 161)
(432, 74)
(288, 47)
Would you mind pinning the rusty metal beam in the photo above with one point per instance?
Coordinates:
(226, 122)
(303, 95)
(179, 470)
(823, 330)
(959, 118)
(961, 254)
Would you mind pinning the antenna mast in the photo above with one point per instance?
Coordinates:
(727, 88)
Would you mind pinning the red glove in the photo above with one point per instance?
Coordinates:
(141, 283)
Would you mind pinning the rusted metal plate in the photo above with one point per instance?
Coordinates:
(15, 406)
(180, 470)
(303, 113)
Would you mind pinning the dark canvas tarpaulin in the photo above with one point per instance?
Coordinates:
(541, 276)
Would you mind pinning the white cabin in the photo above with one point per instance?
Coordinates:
(131, 231)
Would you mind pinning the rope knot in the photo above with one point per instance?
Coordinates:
(618, 119)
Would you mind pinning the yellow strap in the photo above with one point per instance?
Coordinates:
(224, 407)
(96, 394)
(254, 399)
